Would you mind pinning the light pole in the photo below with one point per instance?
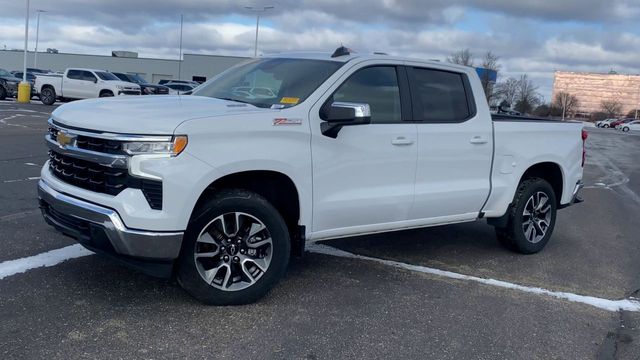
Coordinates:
(24, 89)
(35, 53)
(257, 10)
(180, 56)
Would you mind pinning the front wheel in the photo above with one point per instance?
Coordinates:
(3, 92)
(235, 249)
(532, 217)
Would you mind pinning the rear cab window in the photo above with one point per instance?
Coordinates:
(440, 96)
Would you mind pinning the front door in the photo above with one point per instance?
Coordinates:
(363, 179)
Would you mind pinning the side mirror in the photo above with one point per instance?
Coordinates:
(340, 114)
(95, 80)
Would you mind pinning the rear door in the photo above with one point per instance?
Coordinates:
(363, 179)
(455, 145)
(72, 84)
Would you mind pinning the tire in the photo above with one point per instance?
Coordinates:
(519, 237)
(237, 270)
(48, 96)
(3, 93)
(106, 93)
(625, 129)
(605, 126)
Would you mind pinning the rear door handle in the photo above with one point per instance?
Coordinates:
(478, 140)
(401, 140)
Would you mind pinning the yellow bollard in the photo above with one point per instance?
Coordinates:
(24, 92)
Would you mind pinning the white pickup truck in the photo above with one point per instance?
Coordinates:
(221, 187)
(82, 84)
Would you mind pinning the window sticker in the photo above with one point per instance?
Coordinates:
(289, 100)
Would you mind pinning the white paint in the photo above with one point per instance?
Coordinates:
(49, 258)
(31, 164)
(605, 304)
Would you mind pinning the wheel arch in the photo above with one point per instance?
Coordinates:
(105, 91)
(278, 188)
(549, 171)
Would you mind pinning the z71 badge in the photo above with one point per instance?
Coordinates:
(286, 121)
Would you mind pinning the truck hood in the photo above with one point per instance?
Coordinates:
(146, 115)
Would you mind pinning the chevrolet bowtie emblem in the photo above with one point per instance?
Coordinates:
(65, 139)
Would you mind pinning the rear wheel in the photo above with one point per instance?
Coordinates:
(48, 96)
(625, 129)
(605, 125)
(234, 250)
(532, 217)
(3, 92)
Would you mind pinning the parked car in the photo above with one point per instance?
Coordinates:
(606, 123)
(146, 88)
(617, 123)
(221, 187)
(31, 78)
(8, 84)
(189, 82)
(179, 88)
(82, 84)
(632, 125)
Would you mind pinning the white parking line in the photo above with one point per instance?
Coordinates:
(605, 304)
(18, 180)
(54, 257)
(49, 258)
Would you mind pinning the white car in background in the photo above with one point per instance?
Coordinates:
(606, 123)
(634, 125)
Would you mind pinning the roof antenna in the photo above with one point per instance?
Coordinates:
(341, 51)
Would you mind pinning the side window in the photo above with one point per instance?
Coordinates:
(376, 86)
(88, 76)
(439, 96)
(74, 74)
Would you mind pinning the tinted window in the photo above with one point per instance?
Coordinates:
(74, 74)
(88, 76)
(439, 95)
(121, 76)
(376, 86)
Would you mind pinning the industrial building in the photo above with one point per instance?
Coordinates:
(193, 66)
(592, 89)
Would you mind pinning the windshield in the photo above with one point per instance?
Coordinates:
(4, 72)
(270, 82)
(106, 75)
(137, 79)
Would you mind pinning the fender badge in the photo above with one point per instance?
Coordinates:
(286, 121)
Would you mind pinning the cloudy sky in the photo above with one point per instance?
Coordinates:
(534, 36)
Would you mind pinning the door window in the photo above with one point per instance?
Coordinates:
(376, 86)
(88, 76)
(74, 74)
(439, 96)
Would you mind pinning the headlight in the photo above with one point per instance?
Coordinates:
(172, 148)
(119, 87)
(148, 90)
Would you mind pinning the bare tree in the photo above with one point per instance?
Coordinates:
(462, 57)
(527, 97)
(567, 102)
(489, 62)
(611, 107)
(507, 91)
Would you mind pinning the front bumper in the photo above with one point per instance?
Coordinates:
(101, 229)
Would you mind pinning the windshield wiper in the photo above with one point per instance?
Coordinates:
(236, 100)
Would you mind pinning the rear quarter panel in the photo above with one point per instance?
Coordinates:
(522, 144)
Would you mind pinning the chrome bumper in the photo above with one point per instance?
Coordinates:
(575, 196)
(90, 223)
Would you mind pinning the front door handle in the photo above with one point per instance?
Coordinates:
(478, 140)
(401, 140)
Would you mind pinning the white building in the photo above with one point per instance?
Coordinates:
(194, 66)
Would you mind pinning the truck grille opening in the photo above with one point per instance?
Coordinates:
(103, 179)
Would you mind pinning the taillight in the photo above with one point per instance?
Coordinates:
(585, 135)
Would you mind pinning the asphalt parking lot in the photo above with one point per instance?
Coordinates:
(331, 307)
